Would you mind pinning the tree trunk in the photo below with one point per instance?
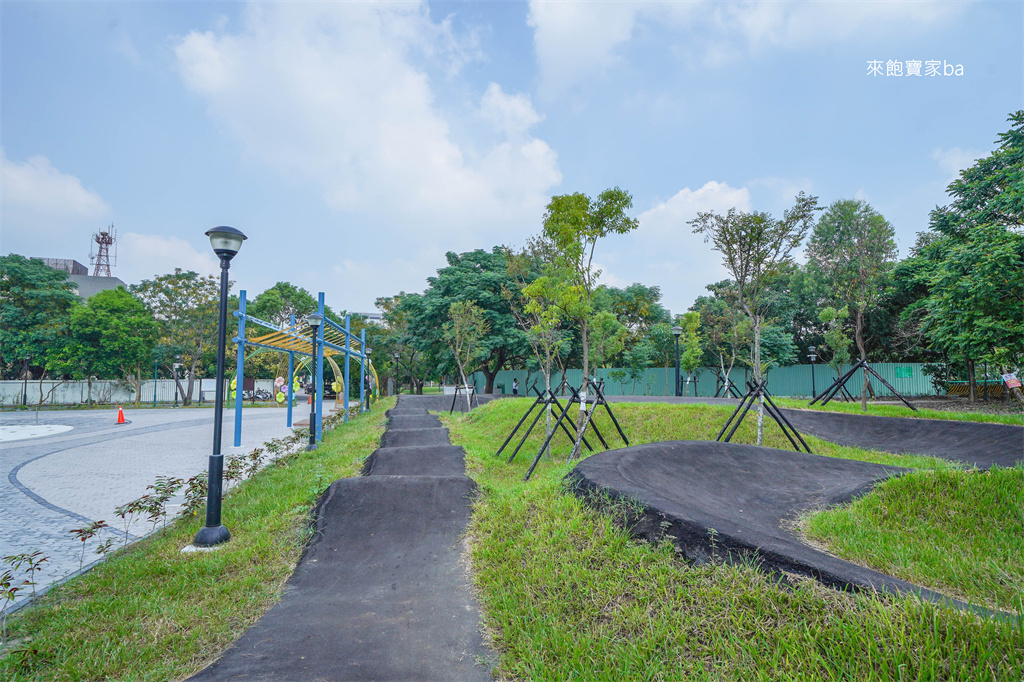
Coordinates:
(489, 375)
(972, 383)
(547, 407)
(586, 375)
(1015, 392)
(859, 336)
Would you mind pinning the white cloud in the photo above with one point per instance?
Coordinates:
(574, 41)
(670, 217)
(339, 94)
(952, 161)
(35, 186)
(144, 256)
(671, 253)
(46, 213)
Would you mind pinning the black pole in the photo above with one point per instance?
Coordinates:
(600, 395)
(814, 391)
(678, 393)
(509, 439)
(312, 396)
(540, 413)
(214, 533)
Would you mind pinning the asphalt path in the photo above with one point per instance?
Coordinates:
(382, 592)
(74, 467)
(735, 502)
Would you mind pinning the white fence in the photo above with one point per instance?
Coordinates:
(107, 392)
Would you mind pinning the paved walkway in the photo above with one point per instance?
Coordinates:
(76, 466)
(382, 592)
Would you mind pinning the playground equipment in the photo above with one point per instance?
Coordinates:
(296, 339)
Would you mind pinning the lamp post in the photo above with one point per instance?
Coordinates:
(314, 320)
(154, 382)
(369, 387)
(676, 331)
(225, 241)
(175, 367)
(813, 356)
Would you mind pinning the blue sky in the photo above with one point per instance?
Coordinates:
(356, 143)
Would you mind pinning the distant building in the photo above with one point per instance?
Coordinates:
(79, 275)
(373, 318)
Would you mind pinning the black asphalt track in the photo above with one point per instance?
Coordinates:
(739, 502)
(382, 592)
(977, 444)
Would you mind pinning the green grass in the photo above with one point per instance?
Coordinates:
(153, 613)
(958, 532)
(901, 410)
(567, 594)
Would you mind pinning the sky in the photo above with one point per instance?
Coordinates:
(356, 143)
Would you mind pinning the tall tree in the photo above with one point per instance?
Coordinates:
(35, 306)
(478, 277)
(754, 246)
(690, 341)
(117, 334)
(573, 223)
(977, 278)
(186, 305)
(465, 330)
(854, 248)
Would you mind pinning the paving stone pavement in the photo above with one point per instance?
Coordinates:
(55, 483)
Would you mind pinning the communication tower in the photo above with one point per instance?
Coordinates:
(101, 260)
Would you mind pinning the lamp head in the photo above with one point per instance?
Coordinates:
(368, 351)
(314, 320)
(677, 331)
(226, 241)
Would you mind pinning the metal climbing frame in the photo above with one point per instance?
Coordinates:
(332, 339)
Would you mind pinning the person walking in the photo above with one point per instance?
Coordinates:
(515, 387)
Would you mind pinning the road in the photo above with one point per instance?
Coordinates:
(74, 467)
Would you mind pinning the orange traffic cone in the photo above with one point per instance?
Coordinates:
(120, 415)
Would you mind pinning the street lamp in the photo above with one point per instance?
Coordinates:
(175, 367)
(226, 242)
(369, 387)
(314, 320)
(676, 331)
(813, 356)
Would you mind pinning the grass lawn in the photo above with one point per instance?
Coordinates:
(153, 613)
(901, 410)
(959, 532)
(568, 595)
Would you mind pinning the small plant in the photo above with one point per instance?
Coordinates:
(32, 561)
(255, 461)
(195, 494)
(104, 547)
(8, 590)
(163, 490)
(84, 533)
(234, 470)
(127, 513)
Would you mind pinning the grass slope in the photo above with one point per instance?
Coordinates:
(153, 613)
(568, 595)
(959, 532)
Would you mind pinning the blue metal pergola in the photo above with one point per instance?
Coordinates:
(332, 339)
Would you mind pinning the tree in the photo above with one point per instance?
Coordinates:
(754, 246)
(689, 340)
(185, 303)
(478, 277)
(35, 305)
(836, 340)
(720, 318)
(464, 331)
(976, 281)
(854, 248)
(115, 334)
(573, 223)
(398, 350)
